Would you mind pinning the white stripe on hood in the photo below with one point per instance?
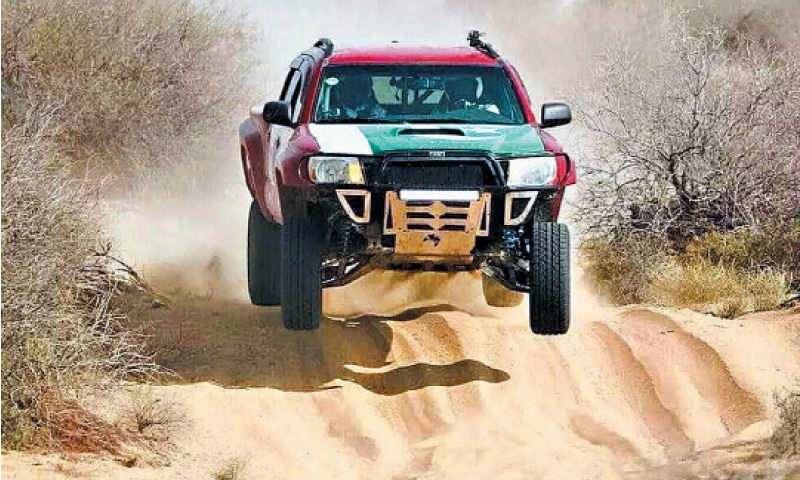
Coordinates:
(344, 139)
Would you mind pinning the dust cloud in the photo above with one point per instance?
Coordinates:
(185, 226)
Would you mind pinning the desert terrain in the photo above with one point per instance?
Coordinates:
(441, 386)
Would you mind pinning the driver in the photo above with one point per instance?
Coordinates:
(461, 92)
(358, 99)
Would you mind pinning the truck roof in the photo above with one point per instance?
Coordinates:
(415, 55)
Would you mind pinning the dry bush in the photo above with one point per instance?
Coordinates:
(127, 77)
(719, 273)
(775, 246)
(785, 441)
(234, 468)
(619, 269)
(719, 289)
(153, 415)
(107, 88)
(61, 336)
(695, 138)
(694, 130)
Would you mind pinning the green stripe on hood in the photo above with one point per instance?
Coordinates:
(501, 140)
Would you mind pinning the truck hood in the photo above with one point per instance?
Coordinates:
(375, 139)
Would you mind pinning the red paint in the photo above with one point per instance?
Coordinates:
(567, 170)
(522, 93)
(289, 161)
(311, 94)
(414, 55)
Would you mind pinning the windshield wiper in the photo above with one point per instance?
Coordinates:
(378, 120)
(359, 120)
(437, 120)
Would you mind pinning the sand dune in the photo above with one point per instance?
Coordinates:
(439, 385)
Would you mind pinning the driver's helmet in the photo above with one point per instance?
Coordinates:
(355, 91)
(461, 89)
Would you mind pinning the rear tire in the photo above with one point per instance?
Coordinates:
(549, 279)
(302, 243)
(263, 259)
(496, 295)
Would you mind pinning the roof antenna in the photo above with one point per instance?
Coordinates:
(474, 39)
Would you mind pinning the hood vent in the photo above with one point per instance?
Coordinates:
(431, 131)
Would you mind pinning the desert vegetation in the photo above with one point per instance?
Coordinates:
(94, 93)
(785, 441)
(689, 197)
(123, 80)
(234, 468)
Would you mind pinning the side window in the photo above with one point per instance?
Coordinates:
(296, 98)
(291, 92)
(304, 69)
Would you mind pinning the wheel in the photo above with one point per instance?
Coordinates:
(263, 259)
(542, 211)
(302, 243)
(549, 278)
(497, 295)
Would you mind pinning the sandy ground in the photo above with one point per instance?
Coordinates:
(442, 386)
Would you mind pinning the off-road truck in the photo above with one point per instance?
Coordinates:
(405, 158)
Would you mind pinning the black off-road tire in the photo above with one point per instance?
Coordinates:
(302, 243)
(496, 295)
(549, 278)
(263, 259)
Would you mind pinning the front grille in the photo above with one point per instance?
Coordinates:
(410, 172)
(437, 216)
(445, 216)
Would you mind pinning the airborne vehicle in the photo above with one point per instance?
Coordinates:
(405, 158)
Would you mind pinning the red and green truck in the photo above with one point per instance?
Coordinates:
(405, 158)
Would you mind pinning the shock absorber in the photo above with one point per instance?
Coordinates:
(510, 239)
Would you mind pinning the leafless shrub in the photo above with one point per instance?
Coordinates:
(692, 135)
(127, 77)
(234, 468)
(785, 441)
(153, 415)
(61, 337)
(107, 87)
(695, 137)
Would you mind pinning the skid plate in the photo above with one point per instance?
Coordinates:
(436, 230)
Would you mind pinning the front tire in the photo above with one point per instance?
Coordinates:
(263, 259)
(302, 243)
(549, 279)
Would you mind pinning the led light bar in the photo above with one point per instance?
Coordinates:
(440, 195)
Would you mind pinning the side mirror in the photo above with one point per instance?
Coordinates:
(277, 113)
(555, 114)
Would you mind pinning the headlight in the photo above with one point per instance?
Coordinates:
(533, 171)
(335, 170)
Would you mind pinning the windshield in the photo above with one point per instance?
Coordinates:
(416, 94)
